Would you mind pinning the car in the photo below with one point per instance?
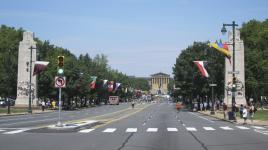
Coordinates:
(4, 102)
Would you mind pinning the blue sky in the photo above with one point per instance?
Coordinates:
(140, 37)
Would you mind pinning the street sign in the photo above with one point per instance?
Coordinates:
(212, 84)
(60, 82)
(233, 72)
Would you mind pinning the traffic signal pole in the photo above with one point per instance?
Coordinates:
(59, 124)
(60, 72)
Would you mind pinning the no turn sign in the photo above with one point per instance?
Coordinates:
(60, 82)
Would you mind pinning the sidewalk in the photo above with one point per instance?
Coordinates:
(219, 115)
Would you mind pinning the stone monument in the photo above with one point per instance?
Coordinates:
(239, 71)
(24, 60)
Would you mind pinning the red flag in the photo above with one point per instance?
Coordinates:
(39, 66)
(110, 86)
(200, 65)
(92, 85)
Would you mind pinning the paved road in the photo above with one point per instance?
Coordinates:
(155, 126)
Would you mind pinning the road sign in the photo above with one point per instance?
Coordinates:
(60, 82)
(233, 72)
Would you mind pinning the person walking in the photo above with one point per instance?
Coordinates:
(245, 115)
(251, 112)
(43, 105)
(224, 110)
(241, 111)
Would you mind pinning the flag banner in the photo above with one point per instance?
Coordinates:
(117, 86)
(126, 90)
(223, 48)
(201, 67)
(105, 82)
(111, 86)
(39, 66)
(92, 85)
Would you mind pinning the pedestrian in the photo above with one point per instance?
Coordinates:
(205, 106)
(241, 111)
(53, 104)
(245, 114)
(251, 112)
(133, 104)
(224, 110)
(43, 105)
(201, 106)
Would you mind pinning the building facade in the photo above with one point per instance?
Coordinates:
(159, 83)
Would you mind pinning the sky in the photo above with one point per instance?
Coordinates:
(139, 37)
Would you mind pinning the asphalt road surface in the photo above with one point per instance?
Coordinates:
(150, 126)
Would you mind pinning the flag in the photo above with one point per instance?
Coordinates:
(104, 82)
(223, 48)
(92, 85)
(200, 65)
(39, 66)
(111, 86)
(117, 86)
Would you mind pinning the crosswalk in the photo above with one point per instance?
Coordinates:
(11, 131)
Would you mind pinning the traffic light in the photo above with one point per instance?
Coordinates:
(60, 65)
(60, 61)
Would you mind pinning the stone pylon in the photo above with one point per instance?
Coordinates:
(239, 68)
(23, 83)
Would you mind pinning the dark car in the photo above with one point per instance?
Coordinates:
(4, 102)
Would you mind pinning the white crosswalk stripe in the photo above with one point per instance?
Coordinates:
(131, 130)
(172, 129)
(209, 128)
(227, 128)
(2, 130)
(109, 130)
(15, 131)
(257, 127)
(86, 130)
(190, 129)
(152, 129)
(242, 127)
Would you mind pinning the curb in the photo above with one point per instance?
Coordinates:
(234, 122)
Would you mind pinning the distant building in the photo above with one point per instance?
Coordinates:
(159, 83)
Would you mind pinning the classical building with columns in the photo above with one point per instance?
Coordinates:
(159, 83)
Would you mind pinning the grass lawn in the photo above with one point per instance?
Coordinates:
(13, 110)
(261, 115)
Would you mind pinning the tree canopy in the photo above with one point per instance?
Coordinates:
(77, 70)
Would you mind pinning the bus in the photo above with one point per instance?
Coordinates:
(114, 100)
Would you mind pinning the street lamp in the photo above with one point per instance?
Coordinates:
(212, 110)
(223, 30)
(30, 83)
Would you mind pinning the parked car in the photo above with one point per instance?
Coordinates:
(4, 102)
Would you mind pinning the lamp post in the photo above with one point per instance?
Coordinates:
(223, 30)
(212, 110)
(30, 83)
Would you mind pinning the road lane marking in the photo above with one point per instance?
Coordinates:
(227, 128)
(86, 130)
(152, 129)
(123, 117)
(190, 129)
(257, 127)
(23, 122)
(209, 128)
(2, 130)
(131, 130)
(15, 131)
(261, 131)
(172, 129)
(242, 127)
(109, 130)
(201, 117)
